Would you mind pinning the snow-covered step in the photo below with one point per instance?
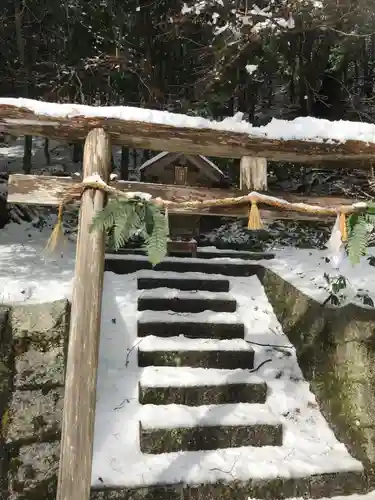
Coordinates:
(205, 353)
(182, 343)
(206, 324)
(126, 264)
(164, 299)
(172, 428)
(200, 386)
(176, 416)
(182, 283)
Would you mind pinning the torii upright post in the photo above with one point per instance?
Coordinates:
(80, 381)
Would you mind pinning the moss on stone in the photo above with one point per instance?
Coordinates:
(43, 323)
(335, 349)
(209, 438)
(35, 368)
(33, 472)
(35, 416)
(202, 395)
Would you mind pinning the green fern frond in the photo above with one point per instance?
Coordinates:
(106, 218)
(370, 208)
(156, 243)
(123, 219)
(358, 239)
(370, 218)
(351, 222)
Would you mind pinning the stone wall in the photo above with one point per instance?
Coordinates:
(336, 352)
(32, 360)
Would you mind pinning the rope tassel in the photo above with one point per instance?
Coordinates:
(254, 221)
(57, 235)
(343, 227)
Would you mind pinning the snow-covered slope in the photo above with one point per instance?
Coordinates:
(309, 446)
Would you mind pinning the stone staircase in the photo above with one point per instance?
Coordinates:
(262, 429)
(202, 390)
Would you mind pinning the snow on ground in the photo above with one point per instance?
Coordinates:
(303, 128)
(305, 269)
(309, 445)
(27, 273)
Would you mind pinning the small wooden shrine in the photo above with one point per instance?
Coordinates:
(183, 170)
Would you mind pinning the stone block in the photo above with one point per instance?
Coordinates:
(148, 493)
(156, 441)
(4, 312)
(35, 368)
(33, 472)
(34, 416)
(335, 350)
(42, 323)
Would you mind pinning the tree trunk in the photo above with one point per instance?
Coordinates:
(124, 169)
(18, 13)
(47, 155)
(27, 154)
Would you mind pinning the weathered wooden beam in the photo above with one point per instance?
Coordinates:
(253, 174)
(15, 120)
(74, 480)
(46, 190)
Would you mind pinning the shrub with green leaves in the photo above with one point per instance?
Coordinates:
(360, 227)
(123, 219)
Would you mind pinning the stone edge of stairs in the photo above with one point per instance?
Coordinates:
(316, 486)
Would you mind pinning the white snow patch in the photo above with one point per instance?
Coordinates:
(169, 376)
(145, 273)
(178, 416)
(172, 293)
(302, 128)
(27, 273)
(94, 178)
(305, 268)
(309, 446)
(173, 317)
(239, 261)
(181, 343)
(251, 68)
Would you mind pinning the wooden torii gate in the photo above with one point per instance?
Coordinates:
(74, 480)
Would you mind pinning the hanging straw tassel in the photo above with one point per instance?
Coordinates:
(166, 220)
(254, 221)
(57, 235)
(343, 227)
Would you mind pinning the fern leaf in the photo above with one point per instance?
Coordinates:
(122, 219)
(351, 222)
(124, 225)
(358, 240)
(105, 219)
(156, 243)
(370, 208)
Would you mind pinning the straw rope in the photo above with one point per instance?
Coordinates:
(75, 192)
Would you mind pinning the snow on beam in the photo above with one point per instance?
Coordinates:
(48, 190)
(303, 139)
